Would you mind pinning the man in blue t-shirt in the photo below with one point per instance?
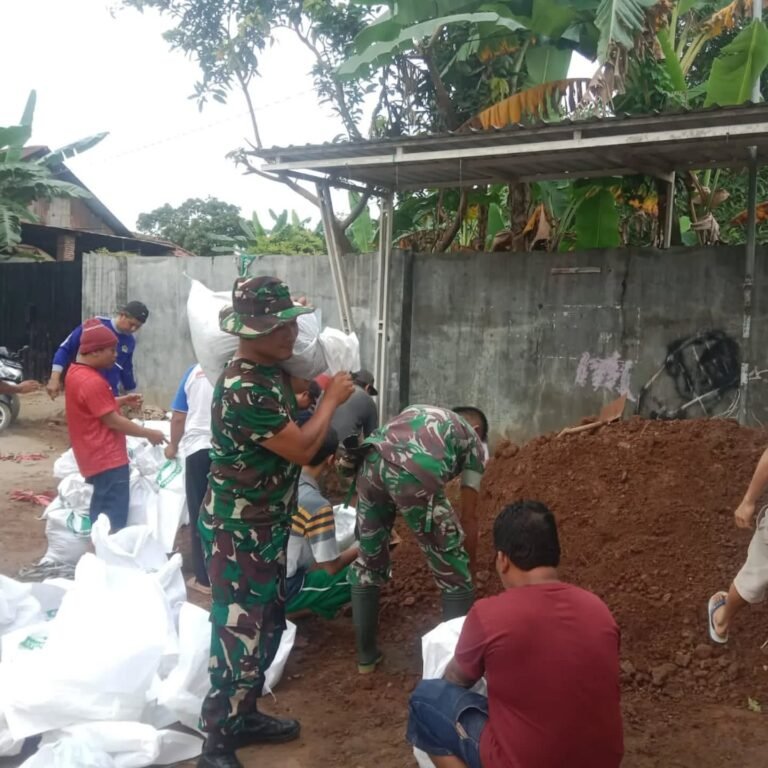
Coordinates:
(129, 319)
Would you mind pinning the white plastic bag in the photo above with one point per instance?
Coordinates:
(136, 548)
(171, 503)
(345, 519)
(69, 753)
(213, 348)
(308, 358)
(9, 747)
(277, 667)
(18, 607)
(127, 744)
(341, 350)
(142, 504)
(75, 492)
(67, 531)
(65, 465)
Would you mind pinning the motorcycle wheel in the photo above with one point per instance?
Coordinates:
(15, 407)
(6, 416)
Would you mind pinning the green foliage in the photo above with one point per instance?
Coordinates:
(619, 22)
(23, 181)
(738, 67)
(289, 235)
(195, 225)
(597, 219)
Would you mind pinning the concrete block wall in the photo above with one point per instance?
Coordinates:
(537, 340)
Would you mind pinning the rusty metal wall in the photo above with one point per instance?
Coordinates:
(40, 304)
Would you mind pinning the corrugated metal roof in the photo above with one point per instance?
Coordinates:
(618, 145)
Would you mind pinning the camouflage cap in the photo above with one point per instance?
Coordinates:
(259, 305)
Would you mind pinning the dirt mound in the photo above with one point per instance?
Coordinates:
(645, 510)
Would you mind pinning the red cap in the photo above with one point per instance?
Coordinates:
(323, 380)
(96, 336)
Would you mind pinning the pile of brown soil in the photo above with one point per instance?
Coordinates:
(645, 510)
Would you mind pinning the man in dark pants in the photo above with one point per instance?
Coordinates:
(257, 452)
(191, 433)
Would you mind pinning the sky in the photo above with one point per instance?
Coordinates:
(99, 69)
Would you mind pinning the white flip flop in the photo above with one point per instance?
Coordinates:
(715, 602)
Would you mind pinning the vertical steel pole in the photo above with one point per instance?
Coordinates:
(382, 304)
(334, 257)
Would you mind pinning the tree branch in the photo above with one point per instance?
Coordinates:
(361, 205)
(240, 159)
(341, 99)
(251, 110)
(449, 235)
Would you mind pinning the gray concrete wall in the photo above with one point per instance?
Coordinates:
(536, 346)
(164, 349)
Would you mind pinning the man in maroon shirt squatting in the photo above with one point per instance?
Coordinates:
(549, 652)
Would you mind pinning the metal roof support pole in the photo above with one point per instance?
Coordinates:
(382, 304)
(334, 257)
(669, 213)
(749, 275)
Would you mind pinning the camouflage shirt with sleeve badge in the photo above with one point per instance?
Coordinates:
(433, 444)
(251, 485)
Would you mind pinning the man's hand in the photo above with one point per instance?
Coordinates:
(745, 514)
(340, 389)
(29, 386)
(131, 401)
(155, 436)
(54, 385)
(171, 451)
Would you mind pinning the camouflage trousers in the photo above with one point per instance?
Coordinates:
(246, 566)
(383, 490)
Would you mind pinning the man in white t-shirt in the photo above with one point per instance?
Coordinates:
(191, 436)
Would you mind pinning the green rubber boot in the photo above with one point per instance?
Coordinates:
(456, 604)
(365, 615)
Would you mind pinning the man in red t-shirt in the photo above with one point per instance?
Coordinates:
(96, 428)
(549, 652)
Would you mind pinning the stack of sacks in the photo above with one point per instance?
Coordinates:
(157, 500)
(102, 665)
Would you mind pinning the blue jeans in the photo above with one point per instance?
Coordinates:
(111, 496)
(446, 719)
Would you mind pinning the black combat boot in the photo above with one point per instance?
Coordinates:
(218, 752)
(259, 728)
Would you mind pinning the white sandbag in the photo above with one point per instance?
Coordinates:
(9, 747)
(136, 548)
(69, 753)
(341, 350)
(67, 531)
(308, 358)
(142, 500)
(103, 650)
(345, 519)
(171, 509)
(183, 690)
(146, 458)
(129, 744)
(277, 667)
(23, 640)
(437, 648)
(213, 348)
(75, 492)
(18, 606)
(65, 465)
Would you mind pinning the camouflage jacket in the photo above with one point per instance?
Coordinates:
(433, 444)
(250, 484)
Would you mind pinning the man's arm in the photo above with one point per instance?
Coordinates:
(23, 388)
(178, 422)
(332, 567)
(64, 355)
(299, 445)
(127, 378)
(453, 674)
(469, 524)
(746, 510)
(119, 423)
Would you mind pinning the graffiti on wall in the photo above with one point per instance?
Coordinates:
(698, 377)
(608, 373)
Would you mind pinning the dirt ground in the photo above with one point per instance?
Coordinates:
(655, 573)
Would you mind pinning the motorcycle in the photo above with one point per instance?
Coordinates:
(11, 370)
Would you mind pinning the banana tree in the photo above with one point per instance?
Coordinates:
(24, 180)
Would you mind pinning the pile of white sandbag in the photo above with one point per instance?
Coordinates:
(157, 500)
(317, 350)
(101, 666)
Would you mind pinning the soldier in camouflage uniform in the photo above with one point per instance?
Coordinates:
(257, 453)
(405, 469)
